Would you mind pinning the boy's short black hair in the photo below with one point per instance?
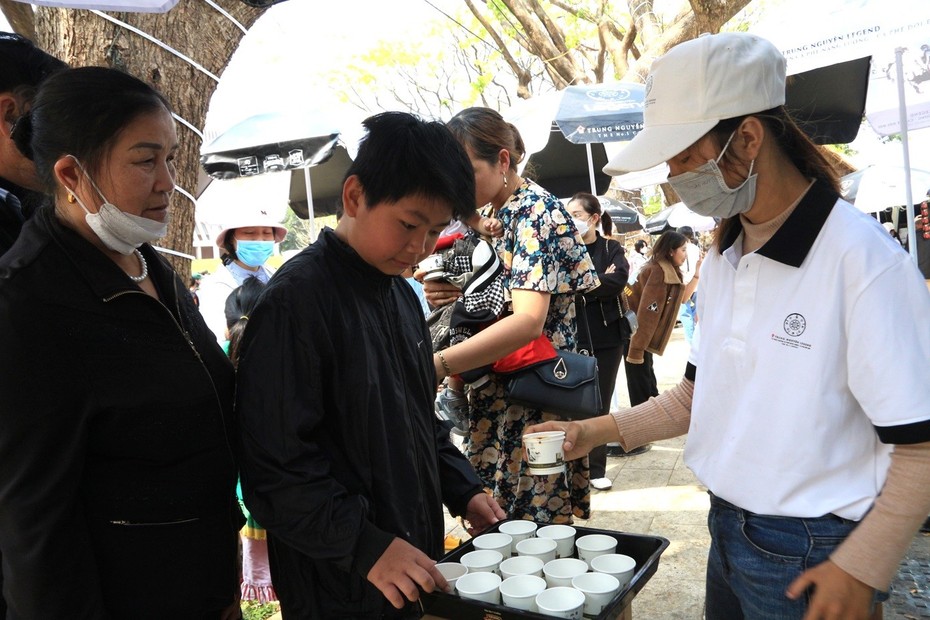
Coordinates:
(402, 155)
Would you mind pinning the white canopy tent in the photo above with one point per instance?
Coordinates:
(827, 32)
(133, 6)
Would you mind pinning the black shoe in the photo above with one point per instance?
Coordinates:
(618, 451)
(926, 526)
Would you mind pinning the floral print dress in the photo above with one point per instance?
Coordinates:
(541, 251)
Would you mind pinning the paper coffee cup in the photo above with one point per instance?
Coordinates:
(544, 452)
(451, 571)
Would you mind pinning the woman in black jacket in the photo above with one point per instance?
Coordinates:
(608, 333)
(117, 492)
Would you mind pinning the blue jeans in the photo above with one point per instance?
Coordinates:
(686, 313)
(754, 558)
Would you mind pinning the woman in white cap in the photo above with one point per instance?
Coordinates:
(811, 320)
(245, 243)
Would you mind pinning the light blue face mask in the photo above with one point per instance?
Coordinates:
(254, 253)
(705, 192)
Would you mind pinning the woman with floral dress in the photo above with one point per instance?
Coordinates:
(545, 264)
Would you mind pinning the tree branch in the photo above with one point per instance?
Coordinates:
(21, 16)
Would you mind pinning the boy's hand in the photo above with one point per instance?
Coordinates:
(439, 292)
(482, 512)
(402, 570)
(837, 594)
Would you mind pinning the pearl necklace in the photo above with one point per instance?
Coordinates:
(145, 268)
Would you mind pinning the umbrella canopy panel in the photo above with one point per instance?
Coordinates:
(676, 216)
(828, 102)
(601, 112)
(879, 187)
(325, 183)
(623, 216)
(268, 143)
(134, 6)
(562, 167)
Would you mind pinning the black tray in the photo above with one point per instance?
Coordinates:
(644, 549)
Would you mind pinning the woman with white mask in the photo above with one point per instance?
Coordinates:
(246, 243)
(811, 319)
(603, 330)
(118, 492)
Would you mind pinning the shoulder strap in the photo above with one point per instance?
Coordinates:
(583, 316)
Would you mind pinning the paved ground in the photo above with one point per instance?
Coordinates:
(654, 493)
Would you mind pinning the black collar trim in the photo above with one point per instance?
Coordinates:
(792, 242)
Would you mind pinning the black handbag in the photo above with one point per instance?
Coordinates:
(567, 385)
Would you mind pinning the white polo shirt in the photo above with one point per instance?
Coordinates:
(814, 357)
(693, 254)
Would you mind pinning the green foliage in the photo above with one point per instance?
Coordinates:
(252, 610)
(652, 203)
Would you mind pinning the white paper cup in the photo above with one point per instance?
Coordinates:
(598, 589)
(542, 548)
(544, 452)
(431, 263)
(518, 530)
(620, 566)
(480, 587)
(561, 602)
(482, 561)
(564, 537)
(560, 572)
(451, 571)
(495, 542)
(521, 565)
(593, 545)
(520, 591)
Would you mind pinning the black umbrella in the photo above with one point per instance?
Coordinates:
(276, 142)
(325, 182)
(562, 167)
(570, 156)
(624, 216)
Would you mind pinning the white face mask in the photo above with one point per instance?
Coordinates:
(706, 193)
(119, 231)
(581, 225)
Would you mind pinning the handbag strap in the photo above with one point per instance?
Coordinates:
(624, 302)
(583, 315)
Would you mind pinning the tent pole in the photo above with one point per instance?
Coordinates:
(310, 204)
(587, 147)
(902, 116)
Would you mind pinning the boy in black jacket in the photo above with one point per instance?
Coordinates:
(344, 462)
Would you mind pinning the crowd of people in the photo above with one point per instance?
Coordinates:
(154, 426)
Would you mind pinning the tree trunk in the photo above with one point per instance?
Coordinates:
(194, 29)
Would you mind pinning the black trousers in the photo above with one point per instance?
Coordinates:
(608, 363)
(641, 380)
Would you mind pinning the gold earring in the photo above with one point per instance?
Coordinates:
(71, 198)
(505, 178)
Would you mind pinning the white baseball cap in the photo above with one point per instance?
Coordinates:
(695, 85)
(252, 218)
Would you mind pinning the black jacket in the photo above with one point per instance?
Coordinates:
(341, 449)
(601, 304)
(117, 479)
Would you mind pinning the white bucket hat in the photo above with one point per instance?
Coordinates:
(249, 218)
(695, 85)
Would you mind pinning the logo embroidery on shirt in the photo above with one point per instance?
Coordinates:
(795, 324)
